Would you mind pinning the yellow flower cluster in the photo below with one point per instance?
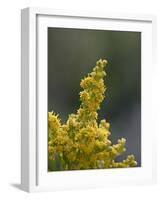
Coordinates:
(82, 142)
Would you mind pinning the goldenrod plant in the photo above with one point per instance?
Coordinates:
(83, 142)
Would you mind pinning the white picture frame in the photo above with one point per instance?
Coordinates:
(34, 176)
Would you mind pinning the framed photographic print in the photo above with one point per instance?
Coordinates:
(86, 99)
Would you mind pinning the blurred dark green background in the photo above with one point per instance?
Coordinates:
(72, 54)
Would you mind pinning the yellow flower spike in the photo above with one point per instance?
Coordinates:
(82, 142)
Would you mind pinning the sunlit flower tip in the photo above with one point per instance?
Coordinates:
(109, 148)
(131, 157)
(108, 125)
(105, 62)
(96, 69)
(122, 140)
(108, 142)
(99, 62)
(93, 74)
(135, 163)
(103, 121)
(109, 133)
(103, 73)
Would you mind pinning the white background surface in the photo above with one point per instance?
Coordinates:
(10, 98)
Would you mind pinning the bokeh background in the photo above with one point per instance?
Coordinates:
(72, 53)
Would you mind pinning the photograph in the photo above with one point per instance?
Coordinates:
(94, 99)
